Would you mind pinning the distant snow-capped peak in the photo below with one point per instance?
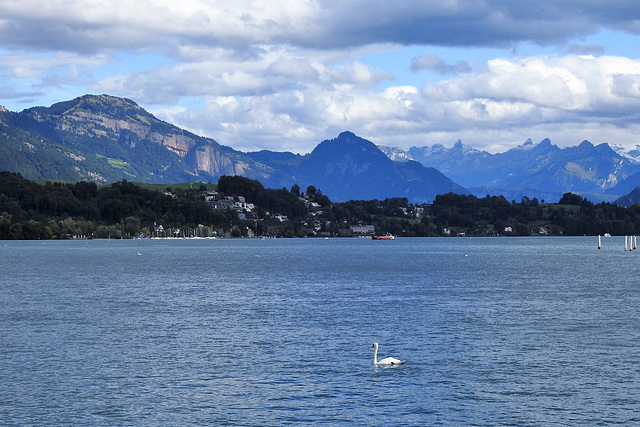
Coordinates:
(396, 154)
(459, 146)
(526, 146)
(632, 154)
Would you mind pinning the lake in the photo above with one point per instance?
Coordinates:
(495, 331)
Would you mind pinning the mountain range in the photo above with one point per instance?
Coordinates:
(105, 139)
(540, 170)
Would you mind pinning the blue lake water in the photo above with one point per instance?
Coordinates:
(495, 331)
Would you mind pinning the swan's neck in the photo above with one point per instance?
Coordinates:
(375, 355)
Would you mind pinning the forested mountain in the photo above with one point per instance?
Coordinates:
(104, 139)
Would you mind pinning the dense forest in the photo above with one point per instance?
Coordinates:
(241, 207)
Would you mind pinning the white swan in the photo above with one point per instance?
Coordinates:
(386, 360)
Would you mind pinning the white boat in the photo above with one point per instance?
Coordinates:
(387, 236)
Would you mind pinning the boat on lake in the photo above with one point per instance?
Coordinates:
(387, 236)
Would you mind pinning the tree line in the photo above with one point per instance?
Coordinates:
(572, 215)
(53, 210)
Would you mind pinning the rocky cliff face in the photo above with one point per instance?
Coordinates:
(179, 144)
(100, 125)
(212, 161)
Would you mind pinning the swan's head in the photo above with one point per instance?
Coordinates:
(375, 345)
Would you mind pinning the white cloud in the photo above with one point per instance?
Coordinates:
(563, 84)
(510, 100)
(95, 25)
(285, 75)
(273, 71)
(30, 66)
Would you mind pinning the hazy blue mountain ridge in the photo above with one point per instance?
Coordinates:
(542, 169)
(350, 167)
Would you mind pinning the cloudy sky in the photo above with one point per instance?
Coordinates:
(285, 75)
